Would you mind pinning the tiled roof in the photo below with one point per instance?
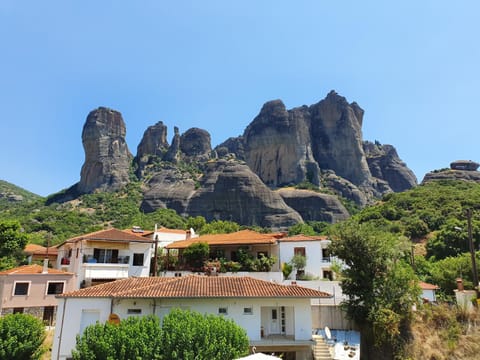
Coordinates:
(171, 231)
(31, 270)
(243, 237)
(301, 237)
(427, 286)
(142, 233)
(195, 286)
(40, 250)
(108, 235)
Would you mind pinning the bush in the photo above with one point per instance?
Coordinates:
(21, 337)
(196, 254)
(189, 335)
(133, 338)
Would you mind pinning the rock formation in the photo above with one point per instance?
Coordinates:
(244, 178)
(152, 147)
(320, 144)
(314, 206)
(107, 158)
(385, 164)
(227, 190)
(196, 143)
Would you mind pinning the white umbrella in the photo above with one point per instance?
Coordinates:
(260, 356)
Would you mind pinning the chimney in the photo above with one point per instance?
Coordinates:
(188, 234)
(45, 266)
(459, 284)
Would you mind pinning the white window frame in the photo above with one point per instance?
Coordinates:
(134, 311)
(53, 281)
(21, 282)
(223, 310)
(249, 311)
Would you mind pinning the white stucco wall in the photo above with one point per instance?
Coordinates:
(298, 315)
(313, 252)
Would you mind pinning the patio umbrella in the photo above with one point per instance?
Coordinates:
(260, 356)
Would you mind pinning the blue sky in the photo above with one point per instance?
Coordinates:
(413, 66)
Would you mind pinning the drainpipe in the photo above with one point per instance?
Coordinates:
(61, 329)
(111, 305)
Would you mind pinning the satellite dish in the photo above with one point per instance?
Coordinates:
(328, 334)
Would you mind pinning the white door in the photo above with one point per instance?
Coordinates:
(89, 317)
(274, 321)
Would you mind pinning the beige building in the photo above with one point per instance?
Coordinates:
(32, 289)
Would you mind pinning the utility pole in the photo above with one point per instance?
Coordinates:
(472, 252)
(155, 255)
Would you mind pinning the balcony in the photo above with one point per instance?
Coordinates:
(105, 270)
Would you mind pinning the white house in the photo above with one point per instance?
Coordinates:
(314, 248)
(164, 236)
(277, 318)
(104, 256)
(428, 291)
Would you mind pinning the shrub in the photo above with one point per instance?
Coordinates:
(21, 337)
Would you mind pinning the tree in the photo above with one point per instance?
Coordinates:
(381, 288)
(188, 335)
(196, 254)
(12, 243)
(300, 228)
(299, 262)
(133, 338)
(220, 227)
(21, 337)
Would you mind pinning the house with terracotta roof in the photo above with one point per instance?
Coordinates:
(314, 248)
(277, 318)
(164, 236)
(229, 246)
(37, 253)
(104, 256)
(32, 289)
(428, 291)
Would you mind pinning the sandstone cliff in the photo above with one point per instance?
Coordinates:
(321, 144)
(227, 190)
(244, 178)
(107, 158)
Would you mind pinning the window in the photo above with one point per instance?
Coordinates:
(223, 311)
(248, 311)
(54, 288)
(106, 256)
(21, 288)
(134, 311)
(18, 310)
(138, 259)
(299, 251)
(274, 314)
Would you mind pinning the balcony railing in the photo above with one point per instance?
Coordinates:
(105, 271)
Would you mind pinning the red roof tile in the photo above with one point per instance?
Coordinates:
(31, 270)
(108, 235)
(427, 286)
(195, 286)
(243, 237)
(35, 249)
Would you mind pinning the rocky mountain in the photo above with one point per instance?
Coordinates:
(10, 193)
(248, 179)
(107, 158)
(459, 170)
(320, 142)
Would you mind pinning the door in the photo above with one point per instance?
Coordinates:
(274, 321)
(89, 317)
